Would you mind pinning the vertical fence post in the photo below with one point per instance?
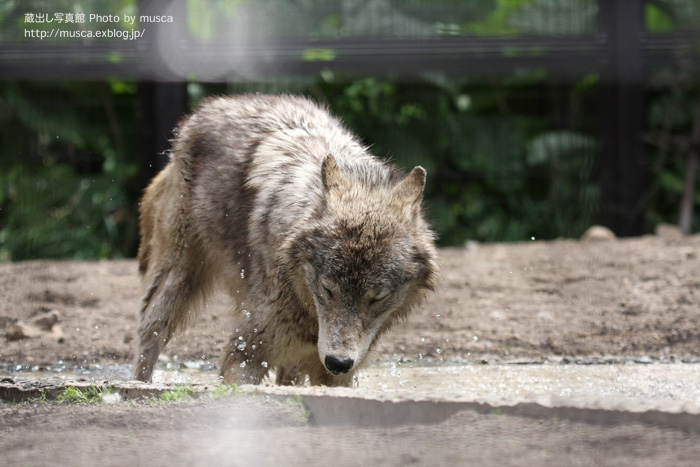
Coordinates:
(162, 106)
(622, 166)
(162, 103)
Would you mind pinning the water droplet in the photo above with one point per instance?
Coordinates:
(437, 316)
(393, 369)
(240, 338)
(475, 338)
(155, 333)
(532, 238)
(246, 313)
(438, 350)
(241, 346)
(264, 364)
(422, 339)
(242, 273)
(242, 364)
(511, 273)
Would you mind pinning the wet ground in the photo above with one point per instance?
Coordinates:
(540, 353)
(552, 414)
(629, 386)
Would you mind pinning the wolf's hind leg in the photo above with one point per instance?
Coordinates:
(164, 308)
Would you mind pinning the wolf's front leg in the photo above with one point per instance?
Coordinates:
(244, 362)
(290, 376)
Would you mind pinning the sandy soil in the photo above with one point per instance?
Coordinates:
(255, 431)
(560, 300)
(501, 302)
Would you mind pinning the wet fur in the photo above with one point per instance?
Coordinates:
(270, 199)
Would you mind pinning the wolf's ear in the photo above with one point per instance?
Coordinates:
(334, 181)
(410, 189)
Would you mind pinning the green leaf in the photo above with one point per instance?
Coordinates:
(553, 146)
(671, 181)
(318, 55)
(656, 19)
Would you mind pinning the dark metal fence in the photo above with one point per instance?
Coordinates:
(261, 40)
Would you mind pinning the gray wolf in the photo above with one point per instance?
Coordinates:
(321, 246)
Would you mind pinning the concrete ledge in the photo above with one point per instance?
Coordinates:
(366, 408)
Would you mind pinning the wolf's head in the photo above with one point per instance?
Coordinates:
(364, 261)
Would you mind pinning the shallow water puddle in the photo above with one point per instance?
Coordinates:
(673, 382)
(659, 382)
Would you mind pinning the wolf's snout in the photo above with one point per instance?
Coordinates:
(338, 365)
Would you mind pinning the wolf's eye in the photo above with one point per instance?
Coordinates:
(378, 298)
(328, 292)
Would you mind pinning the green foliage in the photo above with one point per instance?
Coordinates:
(318, 55)
(53, 213)
(668, 16)
(496, 172)
(90, 395)
(497, 21)
(670, 121)
(509, 17)
(206, 22)
(64, 174)
(295, 404)
(507, 159)
(181, 393)
(225, 390)
(656, 19)
(40, 399)
(72, 395)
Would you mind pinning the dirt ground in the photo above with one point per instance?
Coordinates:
(255, 431)
(562, 300)
(501, 302)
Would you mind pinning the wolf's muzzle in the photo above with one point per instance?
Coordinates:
(338, 365)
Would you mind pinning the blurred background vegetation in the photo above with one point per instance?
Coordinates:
(509, 157)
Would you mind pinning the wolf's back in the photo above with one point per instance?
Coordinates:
(254, 165)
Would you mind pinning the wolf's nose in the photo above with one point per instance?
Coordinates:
(338, 365)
